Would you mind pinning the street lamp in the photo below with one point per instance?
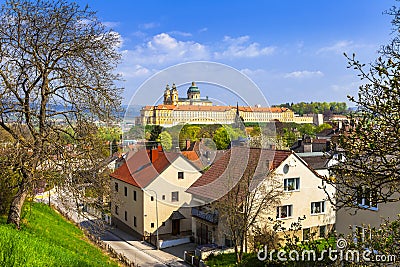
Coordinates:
(157, 244)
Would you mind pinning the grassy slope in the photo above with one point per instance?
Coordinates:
(47, 239)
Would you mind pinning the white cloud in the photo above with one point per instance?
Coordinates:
(346, 87)
(135, 71)
(203, 29)
(241, 48)
(184, 34)
(119, 38)
(338, 47)
(252, 73)
(111, 24)
(149, 25)
(163, 49)
(304, 74)
(139, 34)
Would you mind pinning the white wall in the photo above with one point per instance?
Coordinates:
(308, 192)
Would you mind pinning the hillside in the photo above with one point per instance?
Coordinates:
(47, 239)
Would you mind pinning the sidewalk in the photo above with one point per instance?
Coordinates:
(162, 256)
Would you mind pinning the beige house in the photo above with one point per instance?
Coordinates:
(149, 191)
(301, 185)
(355, 221)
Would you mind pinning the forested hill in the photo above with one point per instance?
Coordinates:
(317, 107)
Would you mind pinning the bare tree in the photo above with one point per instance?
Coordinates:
(57, 63)
(250, 200)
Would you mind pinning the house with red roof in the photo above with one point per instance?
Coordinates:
(301, 186)
(149, 195)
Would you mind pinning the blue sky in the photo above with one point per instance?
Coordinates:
(293, 50)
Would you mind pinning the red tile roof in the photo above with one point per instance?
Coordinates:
(138, 170)
(232, 166)
(216, 108)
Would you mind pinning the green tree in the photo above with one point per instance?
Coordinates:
(135, 132)
(256, 131)
(110, 133)
(372, 157)
(56, 61)
(322, 127)
(221, 138)
(155, 132)
(166, 140)
(307, 129)
(191, 132)
(114, 147)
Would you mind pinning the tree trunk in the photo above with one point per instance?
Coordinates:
(14, 215)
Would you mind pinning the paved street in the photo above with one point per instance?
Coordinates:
(131, 252)
(139, 252)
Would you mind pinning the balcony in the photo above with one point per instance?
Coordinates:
(208, 216)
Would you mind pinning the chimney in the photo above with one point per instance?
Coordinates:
(153, 155)
(269, 164)
(328, 146)
(159, 148)
(272, 146)
(307, 148)
(299, 141)
(187, 144)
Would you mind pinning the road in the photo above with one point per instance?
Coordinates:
(136, 255)
(131, 252)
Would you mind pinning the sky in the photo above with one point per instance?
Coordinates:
(292, 50)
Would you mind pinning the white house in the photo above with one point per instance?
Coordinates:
(149, 194)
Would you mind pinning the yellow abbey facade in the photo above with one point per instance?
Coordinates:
(197, 110)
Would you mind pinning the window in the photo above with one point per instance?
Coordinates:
(284, 211)
(163, 197)
(116, 187)
(116, 210)
(180, 175)
(361, 234)
(367, 199)
(126, 216)
(151, 198)
(286, 168)
(317, 207)
(322, 231)
(175, 196)
(291, 184)
(134, 221)
(125, 191)
(152, 225)
(306, 234)
(228, 242)
(134, 195)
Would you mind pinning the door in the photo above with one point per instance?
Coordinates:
(176, 227)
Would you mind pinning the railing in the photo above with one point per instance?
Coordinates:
(207, 216)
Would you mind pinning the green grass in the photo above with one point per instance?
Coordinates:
(229, 260)
(47, 239)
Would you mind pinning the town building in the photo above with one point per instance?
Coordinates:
(197, 110)
(149, 195)
(302, 187)
(355, 221)
(307, 144)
